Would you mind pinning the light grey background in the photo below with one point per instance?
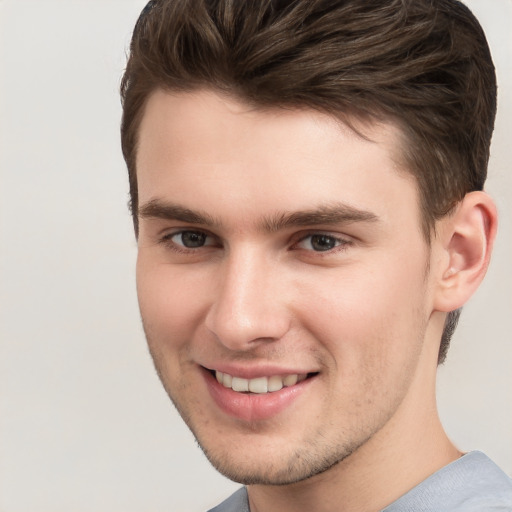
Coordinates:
(84, 423)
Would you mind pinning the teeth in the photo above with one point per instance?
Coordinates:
(259, 385)
(290, 380)
(240, 385)
(275, 383)
(227, 380)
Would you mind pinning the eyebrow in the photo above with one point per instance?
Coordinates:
(157, 209)
(337, 213)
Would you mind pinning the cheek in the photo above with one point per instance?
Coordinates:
(170, 301)
(371, 333)
(367, 315)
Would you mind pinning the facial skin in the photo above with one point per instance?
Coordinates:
(305, 256)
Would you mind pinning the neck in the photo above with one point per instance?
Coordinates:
(408, 449)
(367, 481)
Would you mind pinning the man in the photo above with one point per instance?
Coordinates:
(306, 185)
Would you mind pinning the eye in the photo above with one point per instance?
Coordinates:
(321, 242)
(190, 239)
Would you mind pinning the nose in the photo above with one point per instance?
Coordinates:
(249, 306)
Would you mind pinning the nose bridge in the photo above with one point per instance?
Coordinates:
(248, 307)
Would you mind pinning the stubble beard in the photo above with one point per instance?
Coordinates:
(317, 453)
(306, 461)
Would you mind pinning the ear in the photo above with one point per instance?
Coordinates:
(466, 238)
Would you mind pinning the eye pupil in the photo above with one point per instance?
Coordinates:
(193, 239)
(322, 242)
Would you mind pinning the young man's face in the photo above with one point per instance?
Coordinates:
(279, 250)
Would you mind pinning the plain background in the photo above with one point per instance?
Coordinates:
(84, 423)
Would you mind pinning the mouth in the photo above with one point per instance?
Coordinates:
(260, 385)
(260, 397)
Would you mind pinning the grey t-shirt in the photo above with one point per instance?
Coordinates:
(472, 483)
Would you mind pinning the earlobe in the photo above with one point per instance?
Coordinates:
(467, 238)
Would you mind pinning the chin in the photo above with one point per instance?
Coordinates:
(273, 467)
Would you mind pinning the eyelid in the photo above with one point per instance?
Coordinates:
(166, 239)
(342, 241)
(172, 231)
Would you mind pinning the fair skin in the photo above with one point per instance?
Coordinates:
(284, 250)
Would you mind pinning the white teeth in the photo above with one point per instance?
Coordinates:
(258, 385)
(240, 385)
(226, 380)
(275, 383)
(290, 380)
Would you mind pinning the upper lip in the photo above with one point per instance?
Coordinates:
(255, 371)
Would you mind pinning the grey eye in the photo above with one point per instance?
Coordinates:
(323, 242)
(190, 239)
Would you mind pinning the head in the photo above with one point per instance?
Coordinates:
(294, 169)
(424, 65)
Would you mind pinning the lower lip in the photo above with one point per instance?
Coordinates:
(252, 407)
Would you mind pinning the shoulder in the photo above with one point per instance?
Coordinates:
(237, 502)
(473, 483)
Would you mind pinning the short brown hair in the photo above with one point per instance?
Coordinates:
(424, 64)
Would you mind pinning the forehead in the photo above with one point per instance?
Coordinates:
(199, 147)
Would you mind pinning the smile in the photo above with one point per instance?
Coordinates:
(259, 398)
(259, 385)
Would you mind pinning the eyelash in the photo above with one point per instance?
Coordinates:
(341, 244)
(167, 241)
